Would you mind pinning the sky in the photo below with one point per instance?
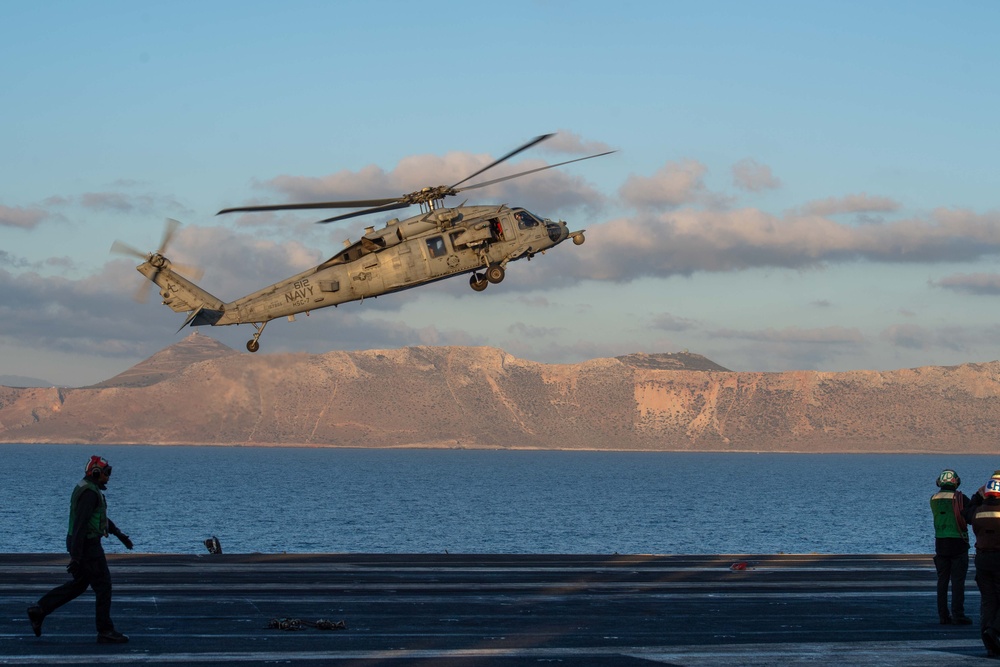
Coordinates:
(796, 186)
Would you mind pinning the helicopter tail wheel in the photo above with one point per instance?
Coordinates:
(578, 239)
(495, 273)
(478, 282)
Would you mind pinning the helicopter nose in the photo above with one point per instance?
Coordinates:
(558, 231)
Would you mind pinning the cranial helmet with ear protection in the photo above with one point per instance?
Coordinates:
(97, 466)
(949, 479)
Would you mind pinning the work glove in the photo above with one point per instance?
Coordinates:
(125, 540)
(74, 568)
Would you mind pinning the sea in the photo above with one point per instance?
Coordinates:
(170, 499)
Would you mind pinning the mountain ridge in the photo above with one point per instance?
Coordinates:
(199, 391)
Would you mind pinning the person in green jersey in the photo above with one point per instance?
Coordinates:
(88, 524)
(951, 547)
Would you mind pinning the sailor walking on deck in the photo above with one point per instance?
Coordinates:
(88, 524)
(951, 547)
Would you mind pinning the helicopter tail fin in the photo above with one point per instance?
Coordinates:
(182, 295)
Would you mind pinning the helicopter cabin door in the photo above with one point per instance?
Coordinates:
(398, 271)
(447, 255)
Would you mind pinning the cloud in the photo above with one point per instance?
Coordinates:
(545, 192)
(12, 261)
(94, 315)
(20, 263)
(750, 175)
(987, 284)
(790, 348)
(536, 301)
(238, 263)
(118, 202)
(833, 335)
(24, 218)
(668, 322)
(675, 183)
(860, 203)
(570, 142)
(113, 201)
(916, 337)
(529, 331)
(97, 316)
(689, 240)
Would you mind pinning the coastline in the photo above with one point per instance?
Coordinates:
(513, 448)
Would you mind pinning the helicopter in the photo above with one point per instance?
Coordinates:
(436, 244)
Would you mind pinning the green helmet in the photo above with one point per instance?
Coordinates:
(948, 478)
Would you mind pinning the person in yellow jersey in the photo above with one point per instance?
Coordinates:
(951, 547)
(983, 515)
(88, 524)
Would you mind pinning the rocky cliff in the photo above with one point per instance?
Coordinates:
(199, 391)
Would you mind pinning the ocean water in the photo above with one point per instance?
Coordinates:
(300, 500)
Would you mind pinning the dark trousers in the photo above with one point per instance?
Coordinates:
(94, 574)
(953, 569)
(988, 580)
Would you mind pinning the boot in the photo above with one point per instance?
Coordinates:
(36, 615)
(111, 637)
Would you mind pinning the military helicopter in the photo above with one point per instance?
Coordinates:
(438, 243)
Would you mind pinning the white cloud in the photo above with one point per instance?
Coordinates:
(669, 322)
(544, 192)
(675, 183)
(860, 203)
(17, 216)
(689, 240)
(748, 174)
(570, 142)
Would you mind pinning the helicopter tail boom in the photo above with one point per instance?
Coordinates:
(179, 293)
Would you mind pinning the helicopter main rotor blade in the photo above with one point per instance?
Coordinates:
(325, 204)
(508, 156)
(378, 209)
(530, 171)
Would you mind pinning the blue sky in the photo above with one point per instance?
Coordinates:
(797, 185)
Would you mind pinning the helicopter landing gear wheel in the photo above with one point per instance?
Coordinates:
(495, 273)
(478, 282)
(578, 239)
(253, 344)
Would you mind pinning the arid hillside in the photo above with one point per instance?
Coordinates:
(199, 391)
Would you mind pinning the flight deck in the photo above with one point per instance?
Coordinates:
(495, 610)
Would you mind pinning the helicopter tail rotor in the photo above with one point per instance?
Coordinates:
(156, 259)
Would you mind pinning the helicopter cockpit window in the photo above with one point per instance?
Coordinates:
(525, 220)
(435, 246)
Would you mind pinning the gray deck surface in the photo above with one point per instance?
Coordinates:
(497, 610)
